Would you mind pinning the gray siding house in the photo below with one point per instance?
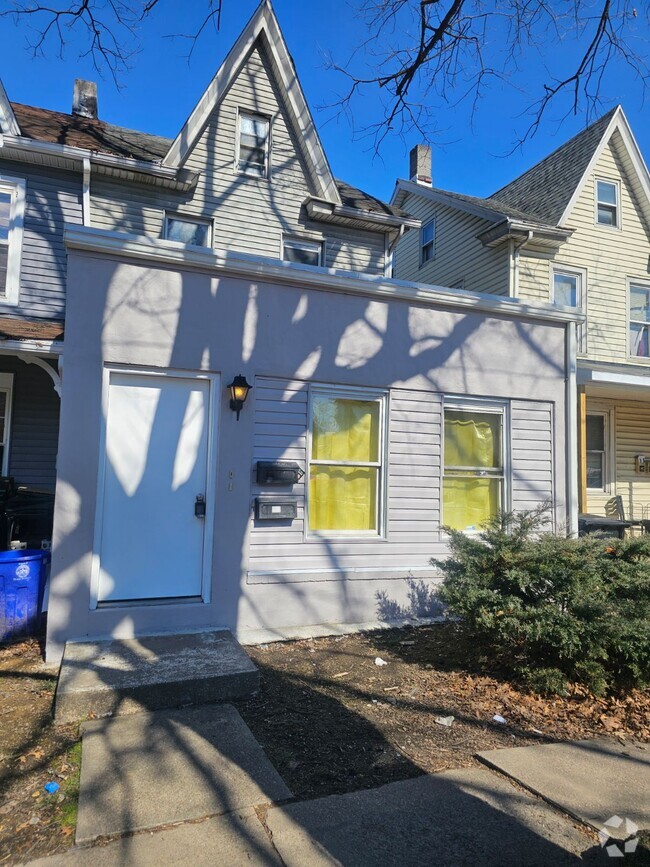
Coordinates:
(378, 410)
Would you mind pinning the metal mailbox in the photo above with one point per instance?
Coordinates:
(278, 473)
(276, 508)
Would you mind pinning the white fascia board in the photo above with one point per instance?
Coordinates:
(172, 253)
(320, 209)
(263, 22)
(76, 154)
(613, 124)
(442, 198)
(8, 122)
(38, 347)
(602, 376)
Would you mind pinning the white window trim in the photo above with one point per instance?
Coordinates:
(18, 188)
(615, 182)
(581, 329)
(352, 393)
(497, 407)
(7, 386)
(609, 451)
(307, 243)
(267, 151)
(430, 222)
(642, 284)
(189, 218)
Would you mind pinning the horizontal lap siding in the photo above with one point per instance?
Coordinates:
(608, 256)
(52, 198)
(34, 424)
(458, 253)
(413, 485)
(531, 436)
(250, 214)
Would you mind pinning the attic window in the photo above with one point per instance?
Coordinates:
(427, 242)
(253, 145)
(607, 203)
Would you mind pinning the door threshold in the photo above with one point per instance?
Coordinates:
(168, 600)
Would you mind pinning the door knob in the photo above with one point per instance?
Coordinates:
(199, 506)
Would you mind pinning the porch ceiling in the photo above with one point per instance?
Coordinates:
(615, 381)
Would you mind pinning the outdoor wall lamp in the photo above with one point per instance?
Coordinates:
(239, 389)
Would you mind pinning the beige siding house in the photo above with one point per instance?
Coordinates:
(572, 230)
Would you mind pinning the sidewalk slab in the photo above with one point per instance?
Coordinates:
(590, 780)
(150, 769)
(149, 673)
(466, 817)
(235, 839)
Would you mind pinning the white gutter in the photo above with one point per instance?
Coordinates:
(42, 347)
(85, 194)
(571, 431)
(79, 154)
(269, 270)
(322, 208)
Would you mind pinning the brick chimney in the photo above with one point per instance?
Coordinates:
(420, 165)
(84, 98)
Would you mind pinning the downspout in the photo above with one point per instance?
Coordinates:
(571, 450)
(388, 251)
(516, 249)
(85, 193)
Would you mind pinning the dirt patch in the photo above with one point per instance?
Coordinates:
(34, 752)
(333, 721)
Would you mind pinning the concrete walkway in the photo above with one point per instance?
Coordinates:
(193, 786)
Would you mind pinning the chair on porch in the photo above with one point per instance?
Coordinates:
(614, 509)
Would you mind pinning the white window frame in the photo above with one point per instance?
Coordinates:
(381, 396)
(617, 185)
(494, 407)
(17, 187)
(641, 284)
(7, 386)
(189, 218)
(581, 274)
(243, 112)
(432, 242)
(607, 451)
(306, 244)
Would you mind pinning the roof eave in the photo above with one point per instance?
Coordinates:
(329, 212)
(8, 122)
(507, 229)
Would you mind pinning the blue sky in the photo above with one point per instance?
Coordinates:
(162, 88)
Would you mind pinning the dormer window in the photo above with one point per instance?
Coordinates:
(253, 145)
(186, 230)
(607, 203)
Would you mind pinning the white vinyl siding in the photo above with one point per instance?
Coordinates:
(458, 253)
(250, 214)
(532, 458)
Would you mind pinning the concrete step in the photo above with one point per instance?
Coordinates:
(103, 678)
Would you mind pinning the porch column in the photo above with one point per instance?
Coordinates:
(582, 449)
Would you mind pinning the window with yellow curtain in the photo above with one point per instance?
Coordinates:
(472, 488)
(345, 464)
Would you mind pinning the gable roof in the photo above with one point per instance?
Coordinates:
(546, 189)
(262, 28)
(8, 124)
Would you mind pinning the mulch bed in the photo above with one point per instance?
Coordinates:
(333, 721)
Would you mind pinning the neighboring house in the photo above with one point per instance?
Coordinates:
(230, 251)
(572, 231)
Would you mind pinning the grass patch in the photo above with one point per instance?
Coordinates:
(70, 788)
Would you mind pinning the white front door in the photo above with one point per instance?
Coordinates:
(152, 544)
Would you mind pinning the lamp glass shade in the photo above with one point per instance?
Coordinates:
(239, 389)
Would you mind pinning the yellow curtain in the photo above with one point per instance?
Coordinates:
(342, 498)
(345, 430)
(467, 503)
(472, 441)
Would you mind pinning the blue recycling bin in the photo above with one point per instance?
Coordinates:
(22, 582)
